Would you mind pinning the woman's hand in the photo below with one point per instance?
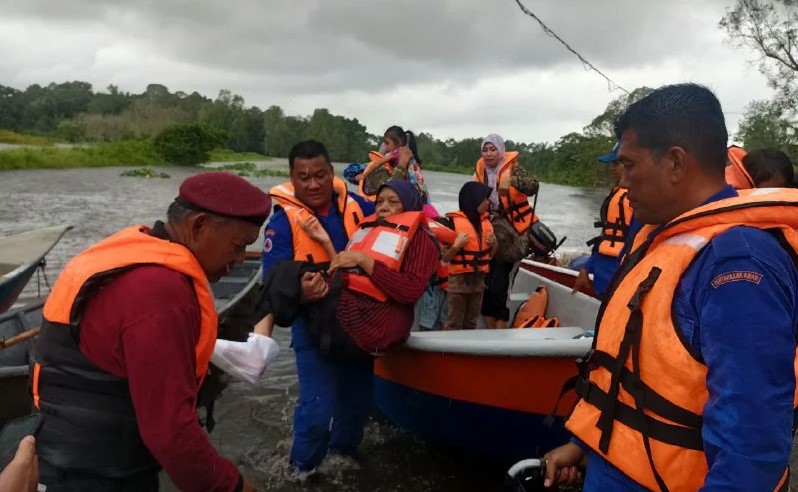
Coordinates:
(315, 230)
(359, 177)
(490, 238)
(351, 259)
(461, 240)
(22, 473)
(504, 186)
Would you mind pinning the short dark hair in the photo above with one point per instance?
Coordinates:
(307, 149)
(682, 115)
(178, 212)
(765, 164)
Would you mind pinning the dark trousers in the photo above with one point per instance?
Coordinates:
(65, 481)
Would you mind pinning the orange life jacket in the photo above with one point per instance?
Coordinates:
(475, 255)
(374, 156)
(533, 309)
(616, 214)
(125, 249)
(386, 241)
(655, 423)
(515, 204)
(736, 174)
(305, 247)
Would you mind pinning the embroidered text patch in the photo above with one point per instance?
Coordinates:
(725, 278)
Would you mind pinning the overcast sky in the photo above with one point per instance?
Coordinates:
(455, 68)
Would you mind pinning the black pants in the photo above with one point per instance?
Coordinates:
(497, 288)
(58, 480)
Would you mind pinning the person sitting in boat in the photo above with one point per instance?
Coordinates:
(512, 218)
(691, 381)
(469, 256)
(384, 270)
(395, 141)
(615, 218)
(433, 306)
(127, 336)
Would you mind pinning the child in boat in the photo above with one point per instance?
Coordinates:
(469, 256)
(394, 140)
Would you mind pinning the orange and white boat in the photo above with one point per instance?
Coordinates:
(490, 391)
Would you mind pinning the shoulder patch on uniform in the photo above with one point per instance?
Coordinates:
(736, 276)
(267, 245)
(269, 232)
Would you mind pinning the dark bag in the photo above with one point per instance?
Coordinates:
(511, 245)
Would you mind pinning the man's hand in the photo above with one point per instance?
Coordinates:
(564, 465)
(314, 287)
(22, 474)
(582, 282)
(504, 186)
(405, 154)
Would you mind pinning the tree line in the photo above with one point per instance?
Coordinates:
(75, 112)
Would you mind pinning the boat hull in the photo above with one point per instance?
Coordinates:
(489, 405)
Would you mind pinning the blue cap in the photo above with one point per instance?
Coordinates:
(612, 156)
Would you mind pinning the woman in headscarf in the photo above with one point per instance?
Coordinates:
(509, 201)
(469, 256)
(379, 316)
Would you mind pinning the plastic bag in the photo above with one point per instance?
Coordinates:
(245, 360)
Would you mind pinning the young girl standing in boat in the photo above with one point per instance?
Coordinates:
(469, 257)
(395, 141)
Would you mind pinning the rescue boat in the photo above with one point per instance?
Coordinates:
(495, 393)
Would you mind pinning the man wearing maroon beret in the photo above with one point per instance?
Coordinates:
(126, 339)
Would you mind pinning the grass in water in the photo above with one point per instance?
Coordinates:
(145, 172)
(227, 155)
(247, 169)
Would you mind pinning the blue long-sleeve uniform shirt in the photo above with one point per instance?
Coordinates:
(745, 333)
(278, 241)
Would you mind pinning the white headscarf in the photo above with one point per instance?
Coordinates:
(493, 172)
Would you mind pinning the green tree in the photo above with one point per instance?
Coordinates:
(765, 126)
(769, 28)
(188, 144)
(604, 124)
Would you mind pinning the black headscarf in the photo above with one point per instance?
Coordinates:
(471, 195)
(408, 195)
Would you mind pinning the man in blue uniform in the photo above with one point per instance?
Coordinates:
(334, 395)
(735, 309)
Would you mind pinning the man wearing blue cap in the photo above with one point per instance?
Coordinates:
(616, 215)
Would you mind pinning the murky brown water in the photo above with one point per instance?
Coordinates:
(254, 428)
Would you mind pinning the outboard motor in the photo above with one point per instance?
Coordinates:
(543, 243)
(526, 476)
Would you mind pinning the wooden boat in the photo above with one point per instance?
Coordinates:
(15, 360)
(20, 256)
(489, 391)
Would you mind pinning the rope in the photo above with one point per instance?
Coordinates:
(611, 84)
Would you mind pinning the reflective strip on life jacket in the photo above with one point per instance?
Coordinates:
(475, 255)
(306, 248)
(383, 240)
(646, 392)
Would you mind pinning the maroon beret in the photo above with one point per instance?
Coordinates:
(227, 195)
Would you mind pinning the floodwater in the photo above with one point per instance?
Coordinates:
(254, 423)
